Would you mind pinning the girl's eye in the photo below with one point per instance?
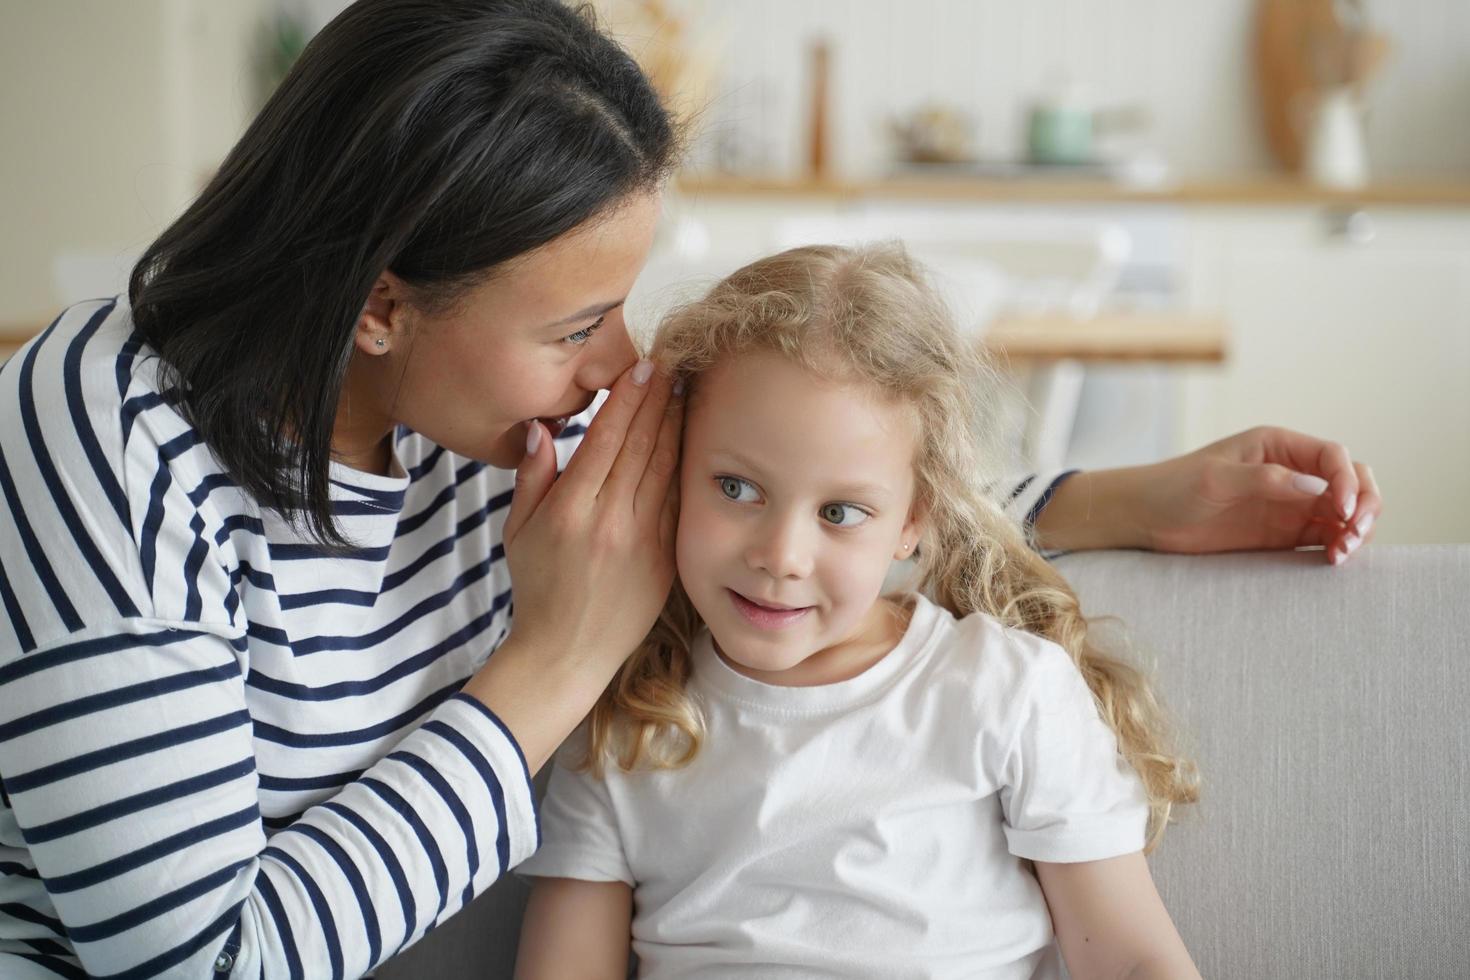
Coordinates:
(737, 489)
(585, 334)
(844, 515)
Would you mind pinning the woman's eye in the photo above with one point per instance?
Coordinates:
(585, 334)
(737, 489)
(843, 515)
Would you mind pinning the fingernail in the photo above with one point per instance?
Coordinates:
(1348, 504)
(1334, 557)
(533, 438)
(1365, 524)
(1350, 543)
(1307, 483)
(678, 387)
(642, 371)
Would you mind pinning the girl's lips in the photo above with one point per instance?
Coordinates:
(765, 617)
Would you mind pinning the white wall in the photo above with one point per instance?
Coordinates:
(112, 114)
(1189, 63)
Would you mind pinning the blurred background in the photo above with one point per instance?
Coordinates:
(1170, 220)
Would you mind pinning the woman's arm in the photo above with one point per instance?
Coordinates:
(575, 929)
(1110, 921)
(1266, 488)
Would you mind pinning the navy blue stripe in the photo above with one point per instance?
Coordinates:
(239, 522)
(283, 924)
(14, 869)
(306, 552)
(95, 817)
(83, 425)
(391, 500)
(281, 736)
(338, 597)
(445, 546)
(401, 806)
(99, 873)
(57, 488)
(60, 967)
(358, 508)
(358, 885)
(1045, 498)
(193, 601)
(152, 968)
(139, 914)
(152, 522)
(34, 552)
(48, 946)
(208, 485)
(178, 445)
(13, 611)
(390, 862)
(482, 765)
(426, 464)
(299, 784)
(123, 366)
(174, 737)
(456, 806)
(318, 644)
(35, 917)
(571, 432)
(136, 406)
(349, 689)
(142, 691)
(72, 652)
(318, 901)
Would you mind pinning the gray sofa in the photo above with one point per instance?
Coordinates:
(1330, 713)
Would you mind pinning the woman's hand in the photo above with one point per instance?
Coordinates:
(592, 553)
(1265, 488)
(591, 557)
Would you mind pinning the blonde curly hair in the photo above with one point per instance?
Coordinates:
(867, 315)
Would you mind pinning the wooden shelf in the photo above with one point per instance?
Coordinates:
(1110, 337)
(1263, 190)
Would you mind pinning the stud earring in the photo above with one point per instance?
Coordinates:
(381, 343)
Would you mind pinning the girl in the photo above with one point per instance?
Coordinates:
(798, 776)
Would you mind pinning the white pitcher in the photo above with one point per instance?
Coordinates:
(1337, 154)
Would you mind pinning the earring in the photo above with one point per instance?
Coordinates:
(381, 343)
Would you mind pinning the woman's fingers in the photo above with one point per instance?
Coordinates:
(590, 465)
(663, 465)
(534, 478)
(639, 444)
(1311, 456)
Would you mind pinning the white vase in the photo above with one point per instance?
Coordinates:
(1337, 155)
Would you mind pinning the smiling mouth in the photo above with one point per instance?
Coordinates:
(766, 617)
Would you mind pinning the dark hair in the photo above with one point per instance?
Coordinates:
(433, 138)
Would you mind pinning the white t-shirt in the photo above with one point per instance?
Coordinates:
(876, 827)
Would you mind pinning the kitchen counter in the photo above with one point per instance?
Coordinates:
(1263, 190)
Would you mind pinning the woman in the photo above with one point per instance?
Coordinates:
(259, 539)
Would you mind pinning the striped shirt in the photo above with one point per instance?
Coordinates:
(222, 751)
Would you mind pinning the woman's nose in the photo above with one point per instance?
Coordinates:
(612, 353)
(782, 548)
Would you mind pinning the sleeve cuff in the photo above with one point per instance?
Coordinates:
(1070, 843)
(500, 748)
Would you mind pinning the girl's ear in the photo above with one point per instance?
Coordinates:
(913, 530)
(382, 324)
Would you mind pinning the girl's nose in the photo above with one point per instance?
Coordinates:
(782, 548)
(612, 353)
